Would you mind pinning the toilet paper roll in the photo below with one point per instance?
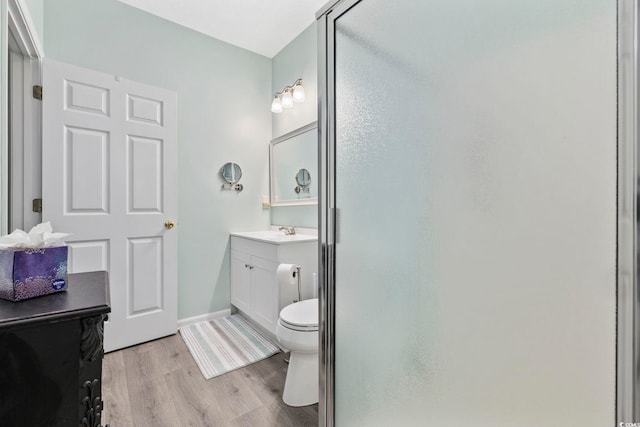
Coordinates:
(286, 274)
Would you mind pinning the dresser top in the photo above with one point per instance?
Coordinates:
(87, 295)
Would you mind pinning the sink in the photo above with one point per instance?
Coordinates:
(275, 236)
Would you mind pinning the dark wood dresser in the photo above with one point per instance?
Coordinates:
(51, 356)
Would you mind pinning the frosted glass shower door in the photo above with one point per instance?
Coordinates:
(475, 191)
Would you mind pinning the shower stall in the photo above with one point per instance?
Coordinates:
(470, 213)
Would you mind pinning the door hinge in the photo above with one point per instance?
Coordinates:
(36, 205)
(37, 92)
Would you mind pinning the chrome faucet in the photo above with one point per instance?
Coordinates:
(289, 231)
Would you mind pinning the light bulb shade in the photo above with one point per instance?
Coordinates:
(287, 99)
(276, 105)
(298, 93)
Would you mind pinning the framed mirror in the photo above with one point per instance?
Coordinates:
(293, 170)
(231, 172)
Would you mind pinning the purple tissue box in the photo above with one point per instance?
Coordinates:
(29, 273)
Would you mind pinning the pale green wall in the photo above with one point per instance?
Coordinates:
(298, 216)
(299, 59)
(224, 96)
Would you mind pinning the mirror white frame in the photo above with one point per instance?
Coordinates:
(272, 169)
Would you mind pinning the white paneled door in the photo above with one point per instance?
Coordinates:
(110, 178)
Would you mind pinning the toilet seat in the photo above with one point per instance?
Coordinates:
(301, 316)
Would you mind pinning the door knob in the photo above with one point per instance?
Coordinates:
(169, 224)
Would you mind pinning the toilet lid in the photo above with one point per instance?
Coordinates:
(301, 315)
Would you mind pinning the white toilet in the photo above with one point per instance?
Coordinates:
(297, 331)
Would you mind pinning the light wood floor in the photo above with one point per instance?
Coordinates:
(158, 384)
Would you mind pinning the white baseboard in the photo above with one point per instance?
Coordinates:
(203, 317)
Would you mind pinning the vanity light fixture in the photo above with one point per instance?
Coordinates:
(298, 91)
(287, 96)
(276, 105)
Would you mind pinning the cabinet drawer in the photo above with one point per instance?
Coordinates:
(259, 249)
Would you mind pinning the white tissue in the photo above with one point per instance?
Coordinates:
(286, 274)
(40, 236)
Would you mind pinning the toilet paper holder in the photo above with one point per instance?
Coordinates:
(288, 275)
(297, 275)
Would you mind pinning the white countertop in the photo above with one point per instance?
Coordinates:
(275, 236)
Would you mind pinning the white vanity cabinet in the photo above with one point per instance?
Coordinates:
(240, 279)
(255, 257)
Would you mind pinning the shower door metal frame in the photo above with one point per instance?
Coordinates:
(628, 215)
(327, 205)
(628, 224)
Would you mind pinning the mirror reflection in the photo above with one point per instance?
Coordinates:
(303, 178)
(294, 167)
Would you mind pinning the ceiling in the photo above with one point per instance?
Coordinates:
(261, 26)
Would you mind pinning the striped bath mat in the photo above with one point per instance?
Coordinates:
(225, 344)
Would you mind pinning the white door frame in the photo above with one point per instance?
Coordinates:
(25, 182)
(23, 29)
